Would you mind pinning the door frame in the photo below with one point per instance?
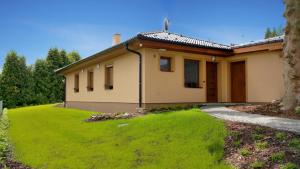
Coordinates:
(217, 84)
(246, 77)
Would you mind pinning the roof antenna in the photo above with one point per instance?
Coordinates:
(166, 24)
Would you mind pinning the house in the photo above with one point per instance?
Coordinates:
(156, 69)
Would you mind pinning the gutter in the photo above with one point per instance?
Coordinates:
(140, 72)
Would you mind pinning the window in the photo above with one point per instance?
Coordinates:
(109, 83)
(90, 80)
(165, 64)
(76, 83)
(191, 73)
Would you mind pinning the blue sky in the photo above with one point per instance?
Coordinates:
(31, 27)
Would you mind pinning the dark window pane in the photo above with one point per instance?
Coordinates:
(109, 83)
(191, 73)
(76, 85)
(165, 64)
(90, 85)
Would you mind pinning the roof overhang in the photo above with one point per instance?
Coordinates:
(139, 42)
(262, 47)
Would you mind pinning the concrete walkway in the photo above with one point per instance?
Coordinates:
(273, 122)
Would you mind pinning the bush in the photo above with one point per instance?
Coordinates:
(4, 148)
(280, 136)
(257, 136)
(277, 157)
(244, 152)
(297, 110)
(261, 145)
(289, 166)
(257, 165)
(295, 143)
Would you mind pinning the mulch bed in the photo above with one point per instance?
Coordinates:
(10, 164)
(243, 138)
(111, 116)
(271, 109)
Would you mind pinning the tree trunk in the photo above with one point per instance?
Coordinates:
(291, 55)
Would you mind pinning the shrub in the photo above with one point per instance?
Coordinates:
(297, 110)
(277, 157)
(237, 143)
(235, 135)
(4, 148)
(244, 152)
(257, 136)
(280, 136)
(289, 166)
(258, 130)
(257, 165)
(261, 145)
(295, 143)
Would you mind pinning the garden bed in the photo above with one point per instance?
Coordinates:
(252, 146)
(270, 109)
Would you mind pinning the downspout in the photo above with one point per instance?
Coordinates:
(65, 89)
(140, 72)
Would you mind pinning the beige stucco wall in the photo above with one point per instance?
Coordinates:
(168, 87)
(264, 79)
(125, 82)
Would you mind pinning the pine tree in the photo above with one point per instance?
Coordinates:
(14, 84)
(268, 33)
(41, 76)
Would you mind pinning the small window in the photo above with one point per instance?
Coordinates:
(109, 82)
(90, 81)
(165, 64)
(76, 83)
(191, 73)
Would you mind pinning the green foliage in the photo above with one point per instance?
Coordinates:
(236, 137)
(55, 60)
(277, 157)
(280, 136)
(297, 110)
(257, 164)
(268, 33)
(257, 136)
(73, 56)
(244, 152)
(4, 148)
(15, 84)
(59, 138)
(237, 143)
(289, 166)
(295, 143)
(261, 145)
(22, 85)
(274, 32)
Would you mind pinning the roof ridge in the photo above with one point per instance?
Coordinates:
(146, 33)
(181, 35)
(268, 40)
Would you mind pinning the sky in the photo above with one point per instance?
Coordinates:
(31, 27)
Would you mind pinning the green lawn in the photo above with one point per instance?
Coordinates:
(51, 137)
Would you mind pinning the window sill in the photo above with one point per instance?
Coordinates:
(193, 87)
(108, 87)
(90, 89)
(167, 71)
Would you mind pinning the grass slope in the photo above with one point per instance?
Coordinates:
(51, 137)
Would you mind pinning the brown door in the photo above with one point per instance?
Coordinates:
(238, 82)
(211, 82)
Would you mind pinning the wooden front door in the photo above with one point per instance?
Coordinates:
(238, 81)
(211, 82)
